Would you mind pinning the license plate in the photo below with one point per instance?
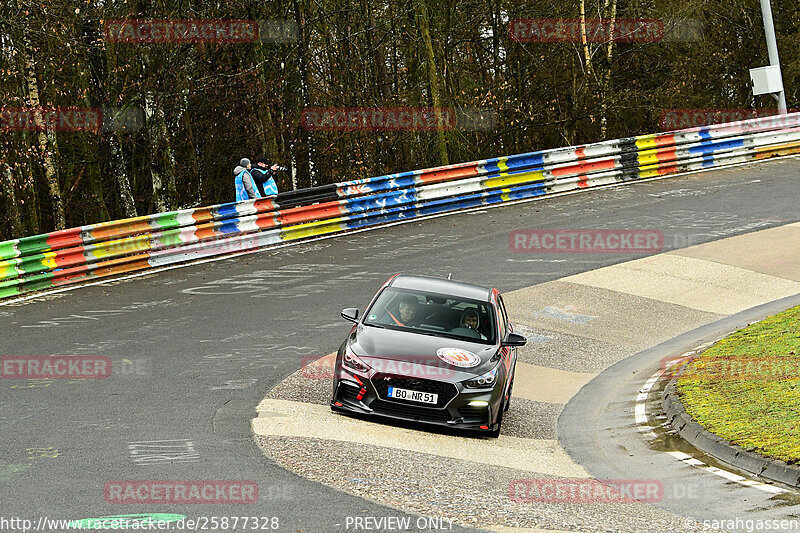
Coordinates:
(413, 395)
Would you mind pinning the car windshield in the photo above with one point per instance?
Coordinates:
(433, 314)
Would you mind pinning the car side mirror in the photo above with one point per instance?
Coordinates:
(351, 314)
(514, 339)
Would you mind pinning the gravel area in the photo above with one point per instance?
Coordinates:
(306, 385)
(531, 420)
(628, 321)
(470, 494)
(568, 352)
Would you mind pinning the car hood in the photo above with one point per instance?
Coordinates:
(403, 353)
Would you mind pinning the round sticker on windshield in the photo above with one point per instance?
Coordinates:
(458, 357)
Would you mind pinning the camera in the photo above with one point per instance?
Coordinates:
(282, 169)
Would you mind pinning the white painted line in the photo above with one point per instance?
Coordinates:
(749, 482)
(727, 475)
(640, 412)
(730, 476)
(409, 221)
(694, 462)
(640, 415)
(772, 489)
(680, 456)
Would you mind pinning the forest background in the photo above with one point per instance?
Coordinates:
(177, 116)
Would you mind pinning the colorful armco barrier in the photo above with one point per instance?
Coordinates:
(99, 250)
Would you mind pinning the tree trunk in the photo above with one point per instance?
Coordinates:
(160, 199)
(194, 155)
(381, 73)
(607, 76)
(99, 97)
(170, 165)
(9, 190)
(294, 166)
(46, 139)
(96, 188)
(304, 93)
(269, 142)
(587, 56)
(29, 191)
(496, 25)
(155, 174)
(117, 161)
(433, 78)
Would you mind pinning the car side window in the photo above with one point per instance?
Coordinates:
(503, 317)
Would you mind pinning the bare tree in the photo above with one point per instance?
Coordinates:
(45, 136)
(433, 77)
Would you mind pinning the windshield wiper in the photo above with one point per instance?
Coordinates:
(423, 332)
(464, 339)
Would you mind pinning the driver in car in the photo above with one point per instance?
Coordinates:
(470, 320)
(408, 314)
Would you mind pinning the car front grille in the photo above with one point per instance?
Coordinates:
(423, 414)
(348, 393)
(446, 391)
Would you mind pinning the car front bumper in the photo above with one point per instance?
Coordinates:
(456, 408)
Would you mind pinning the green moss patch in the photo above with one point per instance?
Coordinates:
(746, 388)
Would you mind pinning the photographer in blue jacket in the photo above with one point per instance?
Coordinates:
(263, 175)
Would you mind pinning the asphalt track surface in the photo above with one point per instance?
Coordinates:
(596, 429)
(195, 349)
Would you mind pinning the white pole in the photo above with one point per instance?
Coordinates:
(772, 49)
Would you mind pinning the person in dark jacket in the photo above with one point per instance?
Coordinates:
(263, 176)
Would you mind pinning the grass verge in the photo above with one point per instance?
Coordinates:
(746, 388)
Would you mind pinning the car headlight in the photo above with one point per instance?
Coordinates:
(352, 362)
(482, 381)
